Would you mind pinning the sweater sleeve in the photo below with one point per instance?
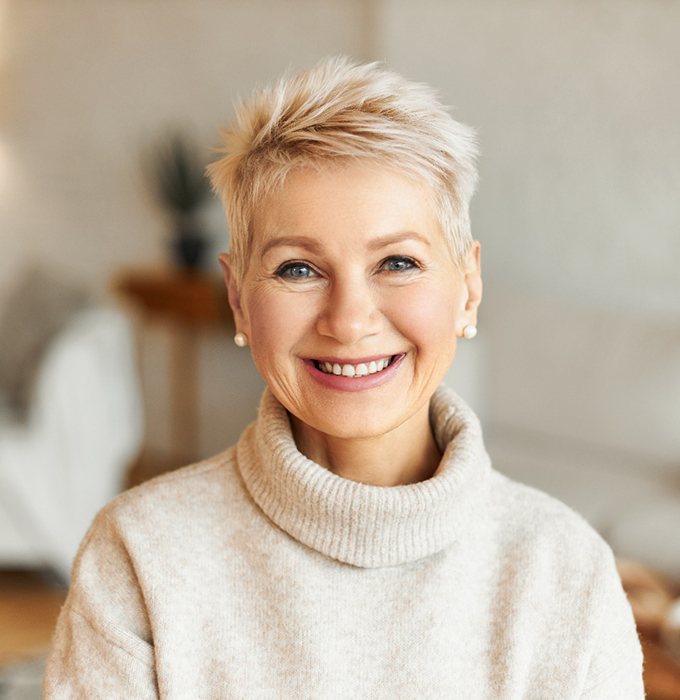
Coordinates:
(615, 669)
(102, 646)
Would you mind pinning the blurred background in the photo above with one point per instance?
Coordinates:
(116, 358)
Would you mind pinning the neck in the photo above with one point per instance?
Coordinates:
(406, 455)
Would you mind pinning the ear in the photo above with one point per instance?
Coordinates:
(473, 282)
(233, 292)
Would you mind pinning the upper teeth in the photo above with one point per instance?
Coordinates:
(360, 370)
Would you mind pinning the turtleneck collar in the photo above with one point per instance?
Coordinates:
(362, 524)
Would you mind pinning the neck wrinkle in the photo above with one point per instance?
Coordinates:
(414, 465)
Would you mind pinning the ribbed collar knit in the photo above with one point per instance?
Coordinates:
(362, 524)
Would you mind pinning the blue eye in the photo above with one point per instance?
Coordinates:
(295, 271)
(400, 263)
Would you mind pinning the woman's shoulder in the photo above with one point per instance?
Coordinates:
(203, 489)
(196, 475)
(199, 476)
(535, 520)
(167, 516)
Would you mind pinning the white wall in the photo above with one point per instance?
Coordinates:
(87, 83)
(577, 105)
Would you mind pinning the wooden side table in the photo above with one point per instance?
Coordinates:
(189, 303)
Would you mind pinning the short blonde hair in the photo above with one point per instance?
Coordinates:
(337, 112)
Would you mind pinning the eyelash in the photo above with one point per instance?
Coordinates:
(413, 265)
(281, 271)
(286, 267)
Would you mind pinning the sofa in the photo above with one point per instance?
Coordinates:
(66, 455)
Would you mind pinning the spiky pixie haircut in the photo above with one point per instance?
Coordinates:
(339, 112)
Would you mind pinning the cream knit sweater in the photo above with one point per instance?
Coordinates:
(260, 574)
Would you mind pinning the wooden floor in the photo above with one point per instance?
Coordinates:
(29, 605)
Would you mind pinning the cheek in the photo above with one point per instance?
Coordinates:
(278, 322)
(427, 317)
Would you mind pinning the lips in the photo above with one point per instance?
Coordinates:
(360, 368)
(349, 379)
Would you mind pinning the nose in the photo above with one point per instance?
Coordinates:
(350, 312)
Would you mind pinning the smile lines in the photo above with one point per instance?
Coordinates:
(359, 370)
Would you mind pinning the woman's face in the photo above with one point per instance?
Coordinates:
(350, 271)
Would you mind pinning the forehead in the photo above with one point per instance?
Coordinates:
(347, 204)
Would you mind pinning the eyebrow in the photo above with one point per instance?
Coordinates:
(292, 242)
(383, 241)
(312, 245)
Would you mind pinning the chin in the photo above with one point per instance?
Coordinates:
(354, 425)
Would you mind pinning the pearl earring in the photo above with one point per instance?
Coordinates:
(469, 332)
(241, 339)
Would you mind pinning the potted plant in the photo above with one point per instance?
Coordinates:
(175, 172)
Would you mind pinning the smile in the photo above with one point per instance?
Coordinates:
(361, 369)
(365, 373)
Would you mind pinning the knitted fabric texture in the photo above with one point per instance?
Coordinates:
(261, 574)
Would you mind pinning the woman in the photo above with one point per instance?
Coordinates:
(356, 542)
